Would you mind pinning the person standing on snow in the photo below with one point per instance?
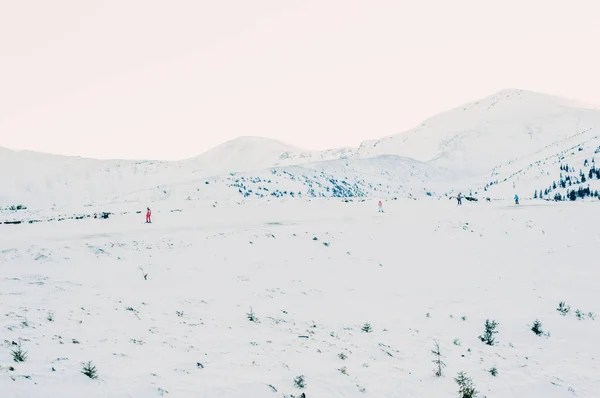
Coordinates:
(148, 215)
(516, 199)
(459, 199)
(380, 206)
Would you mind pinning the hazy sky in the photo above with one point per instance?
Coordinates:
(171, 79)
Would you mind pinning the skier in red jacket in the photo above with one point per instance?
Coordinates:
(148, 214)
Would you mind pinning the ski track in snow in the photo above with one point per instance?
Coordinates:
(412, 273)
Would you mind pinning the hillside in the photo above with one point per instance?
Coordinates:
(267, 270)
(239, 301)
(43, 181)
(468, 148)
(255, 153)
(474, 138)
(565, 170)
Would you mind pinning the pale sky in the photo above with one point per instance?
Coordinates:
(172, 79)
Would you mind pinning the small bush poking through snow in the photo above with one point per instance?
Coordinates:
(252, 316)
(19, 354)
(493, 371)
(592, 316)
(563, 308)
(537, 328)
(300, 382)
(457, 342)
(488, 334)
(342, 356)
(367, 328)
(580, 315)
(50, 316)
(89, 369)
(466, 389)
(343, 370)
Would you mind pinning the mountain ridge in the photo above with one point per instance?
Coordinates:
(464, 144)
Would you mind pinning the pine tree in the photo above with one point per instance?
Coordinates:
(557, 197)
(535, 194)
(572, 195)
(466, 389)
(439, 364)
(490, 330)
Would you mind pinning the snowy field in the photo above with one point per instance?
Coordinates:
(313, 273)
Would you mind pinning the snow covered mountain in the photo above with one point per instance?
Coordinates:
(478, 136)
(268, 271)
(255, 153)
(469, 147)
(40, 179)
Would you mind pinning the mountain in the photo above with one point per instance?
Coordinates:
(477, 147)
(256, 153)
(474, 138)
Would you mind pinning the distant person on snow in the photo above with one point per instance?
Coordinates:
(459, 199)
(380, 206)
(516, 199)
(148, 215)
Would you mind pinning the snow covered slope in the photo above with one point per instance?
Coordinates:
(473, 144)
(255, 153)
(381, 177)
(564, 170)
(42, 181)
(476, 137)
(313, 274)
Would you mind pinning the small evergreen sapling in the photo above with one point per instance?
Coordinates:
(89, 369)
(251, 316)
(466, 389)
(490, 330)
(437, 360)
(367, 328)
(300, 382)
(537, 328)
(19, 354)
(563, 308)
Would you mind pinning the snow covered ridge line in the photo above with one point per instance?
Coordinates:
(561, 172)
(465, 143)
